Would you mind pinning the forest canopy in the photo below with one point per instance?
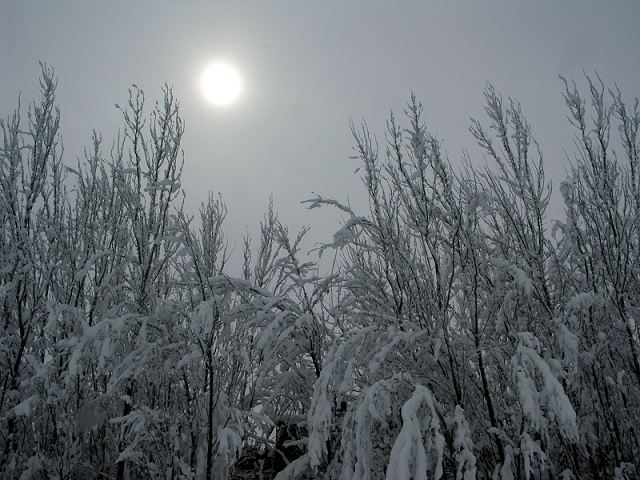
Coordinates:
(459, 332)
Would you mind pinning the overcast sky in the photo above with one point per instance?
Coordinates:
(308, 66)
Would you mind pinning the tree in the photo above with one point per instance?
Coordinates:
(33, 211)
(465, 310)
(456, 335)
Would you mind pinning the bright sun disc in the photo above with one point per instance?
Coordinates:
(221, 84)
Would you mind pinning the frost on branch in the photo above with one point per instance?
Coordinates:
(454, 337)
(541, 396)
(463, 444)
(410, 458)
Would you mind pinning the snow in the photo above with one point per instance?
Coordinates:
(463, 444)
(527, 365)
(24, 408)
(448, 313)
(409, 458)
(531, 452)
(294, 470)
(229, 444)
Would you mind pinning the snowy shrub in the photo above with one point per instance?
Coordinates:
(456, 336)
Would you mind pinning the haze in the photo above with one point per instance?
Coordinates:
(307, 68)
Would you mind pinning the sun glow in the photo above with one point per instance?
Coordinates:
(221, 84)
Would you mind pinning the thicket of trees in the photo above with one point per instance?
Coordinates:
(459, 334)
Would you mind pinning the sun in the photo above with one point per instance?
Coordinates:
(221, 84)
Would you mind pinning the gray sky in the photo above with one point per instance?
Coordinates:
(308, 67)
